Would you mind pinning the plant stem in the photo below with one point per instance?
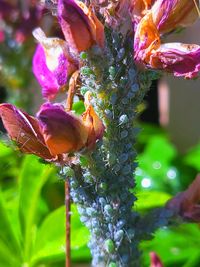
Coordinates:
(102, 187)
(68, 219)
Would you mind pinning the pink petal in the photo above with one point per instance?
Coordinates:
(52, 64)
(186, 203)
(155, 260)
(180, 59)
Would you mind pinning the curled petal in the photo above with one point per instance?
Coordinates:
(63, 132)
(80, 25)
(92, 122)
(155, 260)
(180, 59)
(186, 204)
(24, 130)
(169, 14)
(147, 38)
(52, 64)
(72, 90)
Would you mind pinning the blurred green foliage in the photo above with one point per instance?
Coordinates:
(31, 231)
(32, 225)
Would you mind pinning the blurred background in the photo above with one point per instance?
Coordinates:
(32, 224)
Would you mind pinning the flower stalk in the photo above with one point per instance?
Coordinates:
(102, 184)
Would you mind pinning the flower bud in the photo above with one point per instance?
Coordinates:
(63, 132)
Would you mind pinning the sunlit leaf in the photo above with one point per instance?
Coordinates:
(8, 234)
(7, 258)
(175, 246)
(32, 178)
(4, 150)
(151, 199)
(78, 107)
(50, 239)
(193, 158)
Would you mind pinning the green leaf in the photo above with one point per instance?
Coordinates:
(7, 233)
(176, 246)
(155, 169)
(160, 149)
(151, 199)
(193, 158)
(32, 178)
(7, 258)
(149, 130)
(78, 107)
(50, 238)
(4, 150)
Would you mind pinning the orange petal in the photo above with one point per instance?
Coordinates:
(140, 7)
(24, 130)
(63, 132)
(72, 90)
(147, 38)
(92, 122)
(80, 26)
(95, 26)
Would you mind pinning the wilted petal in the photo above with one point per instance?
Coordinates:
(115, 13)
(52, 64)
(180, 59)
(146, 38)
(169, 14)
(187, 203)
(80, 26)
(63, 132)
(24, 130)
(139, 7)
(155, 260)
(92, 122)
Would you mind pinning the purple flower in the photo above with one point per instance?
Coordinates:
(164, 16)
(180, 59)
(52, 64)
(55, 132)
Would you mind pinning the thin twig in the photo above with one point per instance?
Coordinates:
(67, 205)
